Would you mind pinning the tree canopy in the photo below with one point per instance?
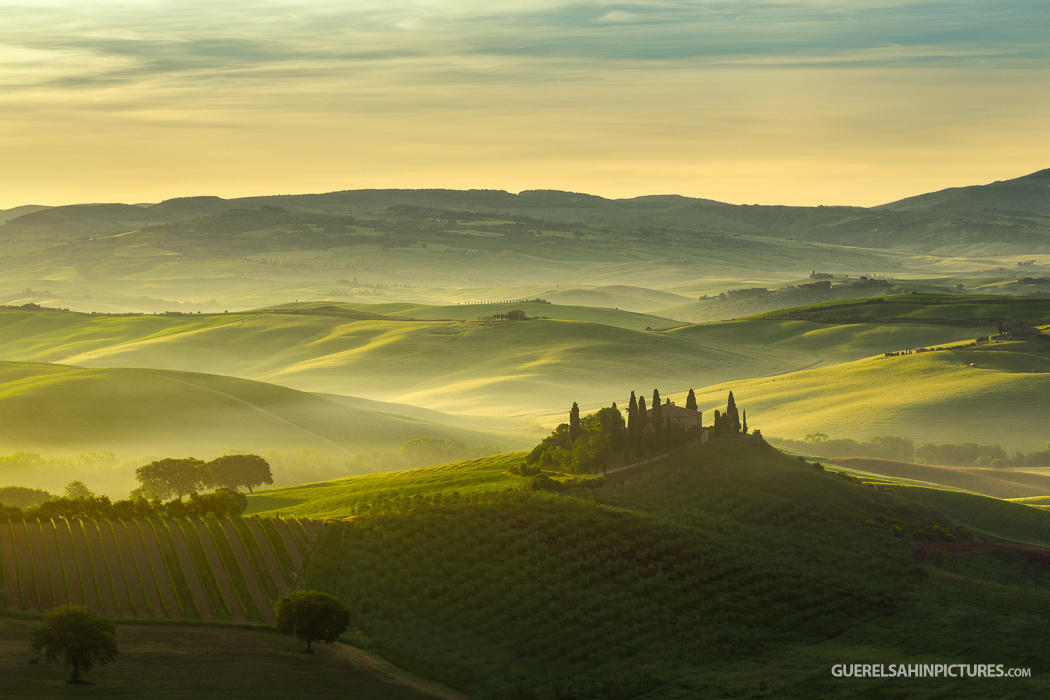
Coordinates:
(78, 636)
(234, 471)
(171, 477)
(78, 489)
(311, 616)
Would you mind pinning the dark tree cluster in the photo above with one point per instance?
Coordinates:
(222, 502)
(583, 445)
(730, 423)
(175, 478)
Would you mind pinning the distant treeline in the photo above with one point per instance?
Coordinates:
(222, 503)
(757, 299)
(505, 301)
(966, 454)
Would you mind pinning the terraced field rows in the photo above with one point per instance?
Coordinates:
(168, 568)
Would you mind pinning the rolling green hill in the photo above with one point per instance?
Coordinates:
(725, 571)
(1010, 484)
(929, 397)
(343, 497)
(953, 309)
(472, 312)
(61, 409)
(497, 368)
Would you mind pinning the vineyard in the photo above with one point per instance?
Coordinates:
(170, 568)
(685, 578)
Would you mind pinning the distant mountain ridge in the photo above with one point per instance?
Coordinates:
(1028, 194)
(212, 253)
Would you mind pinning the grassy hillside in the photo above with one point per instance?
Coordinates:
(170, 662)
(471, 312)
(161, 568)
(998, 483)
(988, 517)
(953, 309)
(494, 368)
(929, 397)
(681, 580)
(343, 497)
(56, 408)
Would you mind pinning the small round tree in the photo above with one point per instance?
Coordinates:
(77, 635)
(311, 616)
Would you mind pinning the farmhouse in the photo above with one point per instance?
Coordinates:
(684, 417)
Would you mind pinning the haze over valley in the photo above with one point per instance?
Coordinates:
(540, 350)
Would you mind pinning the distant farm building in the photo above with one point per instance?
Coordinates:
(687, 418)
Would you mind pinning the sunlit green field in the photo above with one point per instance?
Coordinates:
(57, 408)
(929, 397)
(343, 497)
(494, 368)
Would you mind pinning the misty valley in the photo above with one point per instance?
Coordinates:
(472, 443)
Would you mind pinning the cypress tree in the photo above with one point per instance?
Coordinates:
(575, 429)
(743, 427)
(732, 416)
(690, 401)
(718, 424)
(643, 421)
(632, 424)
(658, 420)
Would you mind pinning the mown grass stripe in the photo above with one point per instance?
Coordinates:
(284, 533)
(179, 598)
(233, 581)
(111, 585)
(269, 530)
(42, 564)
(56, 563)
(154, 564)
(251, 548)
(88, 559)
(203, 567)
(246, 567)
(193, 599)
(32, 568)
(109, 543)
(263, 547)
(148, 584)
(13, 575)
(74, 578)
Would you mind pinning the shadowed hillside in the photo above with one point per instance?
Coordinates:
(686, 574)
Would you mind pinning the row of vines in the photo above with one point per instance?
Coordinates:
(173, 568)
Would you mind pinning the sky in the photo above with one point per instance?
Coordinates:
(746, 101)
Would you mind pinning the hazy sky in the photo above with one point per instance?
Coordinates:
(789, 101)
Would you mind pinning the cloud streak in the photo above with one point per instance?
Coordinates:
(631, 96)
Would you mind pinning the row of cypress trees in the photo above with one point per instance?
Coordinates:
(602, 440)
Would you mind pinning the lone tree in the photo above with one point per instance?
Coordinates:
(234, 471)
(690, 400)
(77, 635)
(311, 616)
(77, 489)
(171, 477)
